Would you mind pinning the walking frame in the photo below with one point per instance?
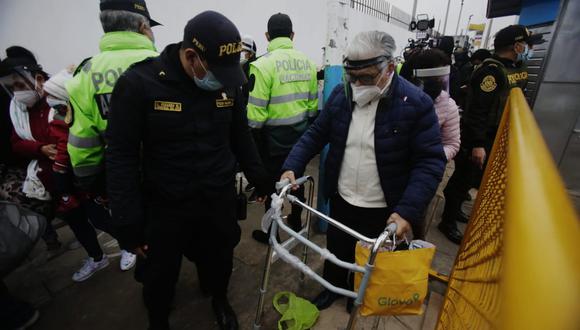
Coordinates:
(278, 250)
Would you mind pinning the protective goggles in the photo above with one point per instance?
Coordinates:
(440, 75)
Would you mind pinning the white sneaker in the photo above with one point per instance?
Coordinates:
(128, 260)
(90, 266)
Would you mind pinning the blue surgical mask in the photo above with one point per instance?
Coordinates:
(209, 82)
(526, 55)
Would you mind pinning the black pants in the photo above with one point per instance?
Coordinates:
(462, 179)
(274, 166)
(368, 221)
(83, 221)
(204, 230)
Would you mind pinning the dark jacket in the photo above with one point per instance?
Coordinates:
(408, 147)
(488, 91)
(185, 140)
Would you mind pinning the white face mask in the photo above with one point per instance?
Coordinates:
(364, 94)
(28, 98)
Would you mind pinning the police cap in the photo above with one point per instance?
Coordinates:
(279, 25)
(516, 33)
(134, 6)
(217, 40)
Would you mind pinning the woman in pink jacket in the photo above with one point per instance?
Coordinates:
(429, 69)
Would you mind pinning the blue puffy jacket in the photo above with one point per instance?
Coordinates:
(409, 153)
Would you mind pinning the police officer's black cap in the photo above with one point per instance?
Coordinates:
(516, 33)
(217, 40)
(279, 25)
(134, 6)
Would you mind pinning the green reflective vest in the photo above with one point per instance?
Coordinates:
(284, 95)
(90, 93)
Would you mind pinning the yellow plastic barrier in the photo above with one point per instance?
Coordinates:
(518, 266)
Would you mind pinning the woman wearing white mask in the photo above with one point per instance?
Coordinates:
(23, 79)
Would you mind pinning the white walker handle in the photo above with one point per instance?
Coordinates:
(300, 181)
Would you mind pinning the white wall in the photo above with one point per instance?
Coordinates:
(63, 32)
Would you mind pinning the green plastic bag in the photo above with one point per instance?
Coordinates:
(297, 313)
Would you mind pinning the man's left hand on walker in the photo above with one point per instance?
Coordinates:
(403, 226)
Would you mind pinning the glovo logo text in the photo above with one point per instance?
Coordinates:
(231, 48)
(391, 302)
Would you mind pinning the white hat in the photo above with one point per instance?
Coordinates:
(248, 44)
(55, 85)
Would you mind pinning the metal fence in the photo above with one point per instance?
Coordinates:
(382, 10)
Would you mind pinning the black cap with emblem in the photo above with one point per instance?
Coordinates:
(516, 33)
(134, 6)
(217, 40)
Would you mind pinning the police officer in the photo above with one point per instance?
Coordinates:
(489, 88)
(128, 38)
(283, 98)
(176, 128)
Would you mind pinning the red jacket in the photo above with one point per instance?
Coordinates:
(29, 150)
(59, 132)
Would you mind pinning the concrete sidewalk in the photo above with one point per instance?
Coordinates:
(111, 299)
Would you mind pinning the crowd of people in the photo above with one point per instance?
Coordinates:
(145, 146)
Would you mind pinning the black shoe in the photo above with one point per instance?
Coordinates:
(224, 314)
(462, 217)
(452, 234)
(325, 299)
(262, 237)
(349, 305)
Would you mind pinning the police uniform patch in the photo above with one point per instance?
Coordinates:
(488, 84)
(167, 106)
(224, 102)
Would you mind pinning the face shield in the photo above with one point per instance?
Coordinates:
(433, 80)
(18, 79)
(354, 70)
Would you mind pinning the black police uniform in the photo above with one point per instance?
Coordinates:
(186, 141)
(489, 89)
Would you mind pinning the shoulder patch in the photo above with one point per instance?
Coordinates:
(488, 84)
(85, 66)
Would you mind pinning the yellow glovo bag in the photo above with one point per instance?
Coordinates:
(398, 283)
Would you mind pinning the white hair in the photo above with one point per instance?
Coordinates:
(370, 44)
(122, 20)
